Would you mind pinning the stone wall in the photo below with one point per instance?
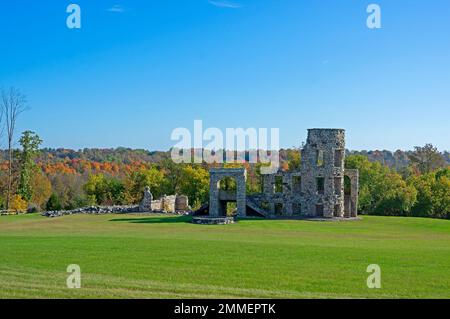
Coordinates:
(314, 190)
(182, 203)
(171, 204)
(167, 204)
(217, 207)
(323, 159)
(156, 205)
(94, 210)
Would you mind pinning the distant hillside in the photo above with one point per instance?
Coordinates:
(120, 155)
(397, 160)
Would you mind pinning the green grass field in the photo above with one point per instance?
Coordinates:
(123, 256)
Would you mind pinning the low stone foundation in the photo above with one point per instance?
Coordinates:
(93, 210)
(104, 210)
(174, 204)
(205, 220)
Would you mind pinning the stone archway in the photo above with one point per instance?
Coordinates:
(215, 202)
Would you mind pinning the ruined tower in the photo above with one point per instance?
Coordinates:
(322, 173)
(321, 188)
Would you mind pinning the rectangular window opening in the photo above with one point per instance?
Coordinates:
(278, 209)
(319, 158)
(278, 184)
(320, 185)
(231, 208)
(297, 184)
(319, 210)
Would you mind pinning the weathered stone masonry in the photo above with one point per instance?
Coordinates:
(174, 204)
(169, 204)
(218, 199)
(317, 189)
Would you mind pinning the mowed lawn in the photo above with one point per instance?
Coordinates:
(143, 256)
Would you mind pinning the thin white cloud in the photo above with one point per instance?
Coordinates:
(224, 4)
(117, 8)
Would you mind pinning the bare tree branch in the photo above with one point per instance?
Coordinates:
(13, 103)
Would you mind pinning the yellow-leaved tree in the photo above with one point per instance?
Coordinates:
(18, 204)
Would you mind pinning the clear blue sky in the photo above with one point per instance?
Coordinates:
(133, 74)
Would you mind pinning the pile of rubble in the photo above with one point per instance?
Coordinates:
(175, 204)
(104, 210)
(93, 210)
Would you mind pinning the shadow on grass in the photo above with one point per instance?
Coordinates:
(155, 220)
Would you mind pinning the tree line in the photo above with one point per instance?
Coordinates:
(397, 160)
(421, 189)
(34, 179)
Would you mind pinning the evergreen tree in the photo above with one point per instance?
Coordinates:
(30, 143)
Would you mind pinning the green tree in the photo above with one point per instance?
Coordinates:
(54, 203)
(366, 175)
(105, 190)
(194, 183)
(136, 182)
(30, 143)
(433, 198)
(424, 185)
(394, 196)
(441, 196)
(294, 159)
(254, 179)
(172, 175)
(382, 191)
(445, 172)
(427, 158)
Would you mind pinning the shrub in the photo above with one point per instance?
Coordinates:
(18, 203)
(105, 190)
(54, 203)
(382, 190)
(33, 208)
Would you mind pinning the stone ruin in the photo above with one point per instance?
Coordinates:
(174, 204)
(321, 188)
(146, 203)
(166, 204)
